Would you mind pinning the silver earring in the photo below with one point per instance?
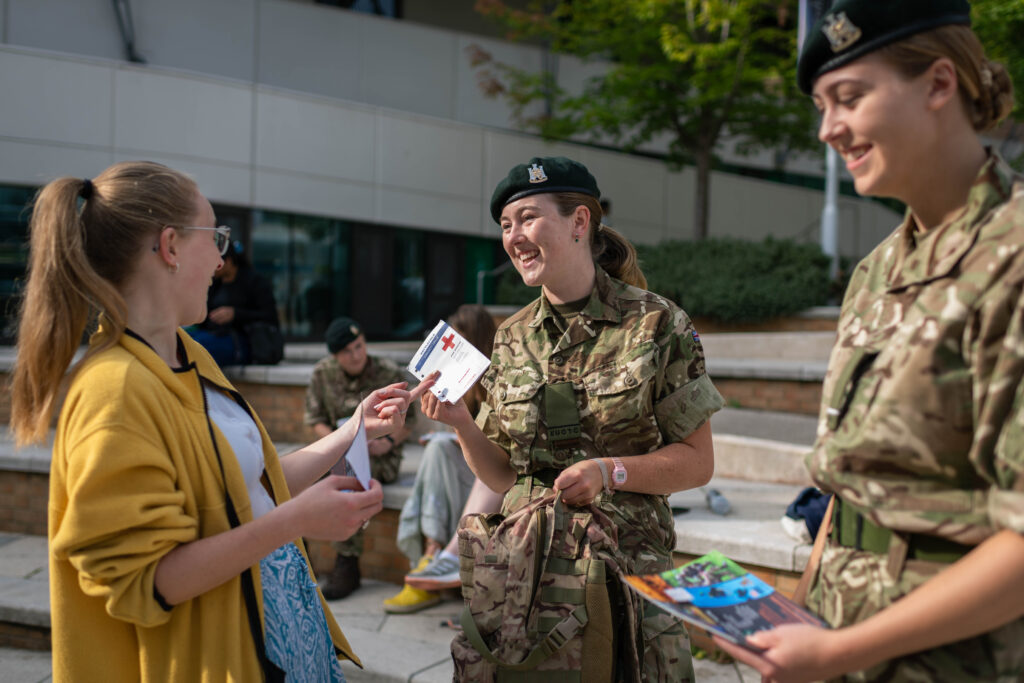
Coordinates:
(174, 269)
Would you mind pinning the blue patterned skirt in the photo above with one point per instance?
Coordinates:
(297, 637)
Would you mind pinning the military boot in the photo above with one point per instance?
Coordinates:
(342, 580)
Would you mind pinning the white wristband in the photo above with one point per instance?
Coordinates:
(604, 472)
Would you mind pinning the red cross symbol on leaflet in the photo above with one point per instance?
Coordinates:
(448, 342)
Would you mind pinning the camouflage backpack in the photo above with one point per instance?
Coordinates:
(544, 599)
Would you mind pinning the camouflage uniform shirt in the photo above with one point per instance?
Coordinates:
(333, 394)
(637, 369)
(922, 424)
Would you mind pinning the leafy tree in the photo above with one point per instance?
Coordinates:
(690, 73)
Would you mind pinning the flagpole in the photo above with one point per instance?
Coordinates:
(810, 12)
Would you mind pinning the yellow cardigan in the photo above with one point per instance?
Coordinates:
(134, 474)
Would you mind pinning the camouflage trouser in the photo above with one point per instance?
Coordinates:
(854, 584)
(667, 657)
(385, 470)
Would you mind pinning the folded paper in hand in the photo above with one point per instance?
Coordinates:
(459, 362)
(356, 461)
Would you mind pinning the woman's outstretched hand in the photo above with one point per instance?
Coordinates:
(336, 507)
(384, 410)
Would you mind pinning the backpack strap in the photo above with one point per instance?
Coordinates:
(566, 630)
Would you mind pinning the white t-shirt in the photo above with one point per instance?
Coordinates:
(244, 436)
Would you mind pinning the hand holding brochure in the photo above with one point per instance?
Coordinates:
(715, 593)
(459, 362)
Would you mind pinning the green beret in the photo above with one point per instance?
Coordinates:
(853, 28)
(342, 332)
(540, 175)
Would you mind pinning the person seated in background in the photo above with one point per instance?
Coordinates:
(444, 490)
(339, 383)
(238, 297)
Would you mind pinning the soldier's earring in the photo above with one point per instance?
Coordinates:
(174, 269)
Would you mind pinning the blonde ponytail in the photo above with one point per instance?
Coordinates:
(77, 259)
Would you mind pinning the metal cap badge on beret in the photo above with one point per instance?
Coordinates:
(540, 175)
(341, 332)
(853, 28)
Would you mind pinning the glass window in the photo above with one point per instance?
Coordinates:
(14, 216)
(408, 285)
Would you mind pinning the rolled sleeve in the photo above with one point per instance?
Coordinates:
(123, 514)
(683, 411)
(685, 398)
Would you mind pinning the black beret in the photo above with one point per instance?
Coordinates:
(342, 332)
(853, 28)
(542, 174)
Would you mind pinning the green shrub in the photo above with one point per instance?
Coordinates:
(728, 280)
(732, 280)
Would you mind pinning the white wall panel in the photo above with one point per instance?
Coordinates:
(183, 115)
(428, 210)
(472, 105)
(634, 185)
(314, 136)
(309, 48)
(83, 27)
(55, 99)
(208, 36)
(679, 203)
(404, 63)
(36, 163)
(313, 195)
(429, 156)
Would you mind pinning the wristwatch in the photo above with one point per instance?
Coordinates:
(618, 474)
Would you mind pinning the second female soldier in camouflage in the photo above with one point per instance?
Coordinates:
(921, 435)
(597, 389)
(339, 383)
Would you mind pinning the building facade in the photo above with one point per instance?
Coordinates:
(353, 154)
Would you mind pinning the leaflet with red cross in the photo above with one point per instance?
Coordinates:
(459, 362)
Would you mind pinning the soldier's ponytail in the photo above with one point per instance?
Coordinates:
(609, 248)
(84, 240)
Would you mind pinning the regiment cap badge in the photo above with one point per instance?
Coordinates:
(537, 174)
(354, 330)
(840, 31)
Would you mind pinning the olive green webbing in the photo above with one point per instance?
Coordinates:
(561, 415)
(854, 530)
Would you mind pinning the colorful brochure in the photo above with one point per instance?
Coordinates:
(459, 362)
(718, 595)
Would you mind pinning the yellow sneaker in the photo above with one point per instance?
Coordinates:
(411, 600)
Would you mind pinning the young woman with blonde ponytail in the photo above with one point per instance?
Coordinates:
(597, 389)
(174, 536)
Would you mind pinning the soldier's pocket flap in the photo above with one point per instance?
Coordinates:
(616, 378)
(524, 389)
